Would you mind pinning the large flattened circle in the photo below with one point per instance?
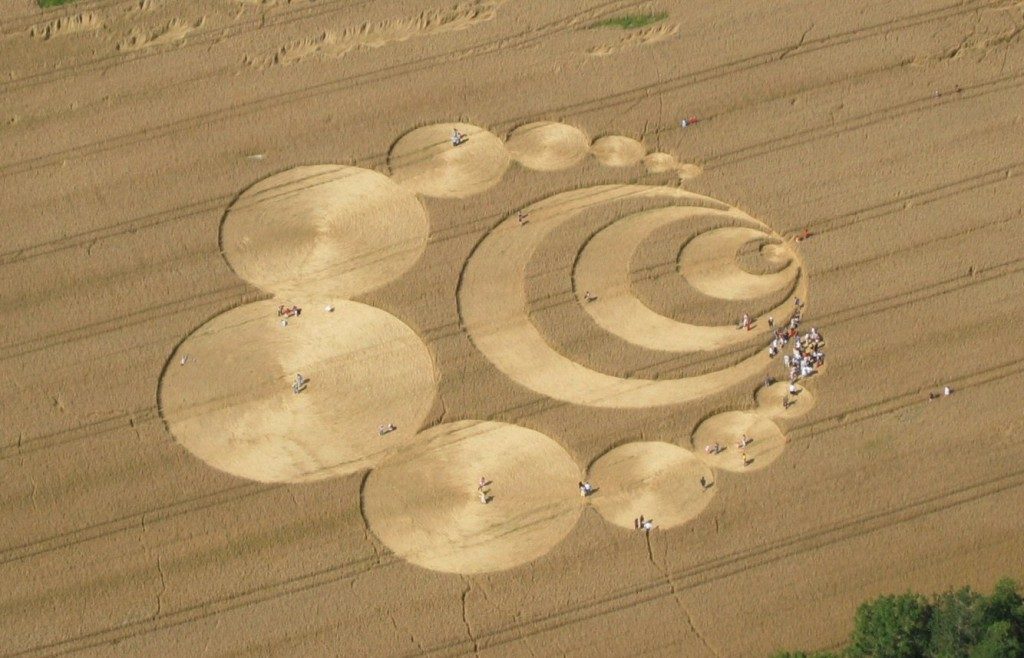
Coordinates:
(548, 146)
(727, 429)
(660, 481)
(324, 231)
(424, 503)
(231, 403)
(425, 160)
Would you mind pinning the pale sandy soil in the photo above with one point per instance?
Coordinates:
(210, 510)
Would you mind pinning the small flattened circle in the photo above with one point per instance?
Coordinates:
(689, 171)
(657, 163)
(324, 230)
(548, 146)
(618, 151)
(425, 160)
(660, 481)
(227, 395)
(726, 431)
(425, 502)
(777, 402)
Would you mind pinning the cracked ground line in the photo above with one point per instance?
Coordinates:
(689, 622)
(465, 620)
(394, 623)
(35, 488)
(163, 589)
(799, 43)
(444, 410)
(367, 535)
(159, 567)
(660, 97)
(663, 568)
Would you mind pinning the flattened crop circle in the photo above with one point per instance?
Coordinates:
(425, 505)
(231, 403)
(325, 231)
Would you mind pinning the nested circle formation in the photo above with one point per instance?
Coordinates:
(309, 384)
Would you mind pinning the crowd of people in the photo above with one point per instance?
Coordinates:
(808, 349)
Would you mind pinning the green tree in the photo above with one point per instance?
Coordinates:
(957, 623)
(891, 627)
(1005, 604)
(999, 642)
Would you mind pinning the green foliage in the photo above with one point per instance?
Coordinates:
(891, 627)
(956, 624)
(631, 21)
(53, 3)
(1005, 604)
(999, 642)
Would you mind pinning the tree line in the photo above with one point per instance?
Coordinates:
(956, 624)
